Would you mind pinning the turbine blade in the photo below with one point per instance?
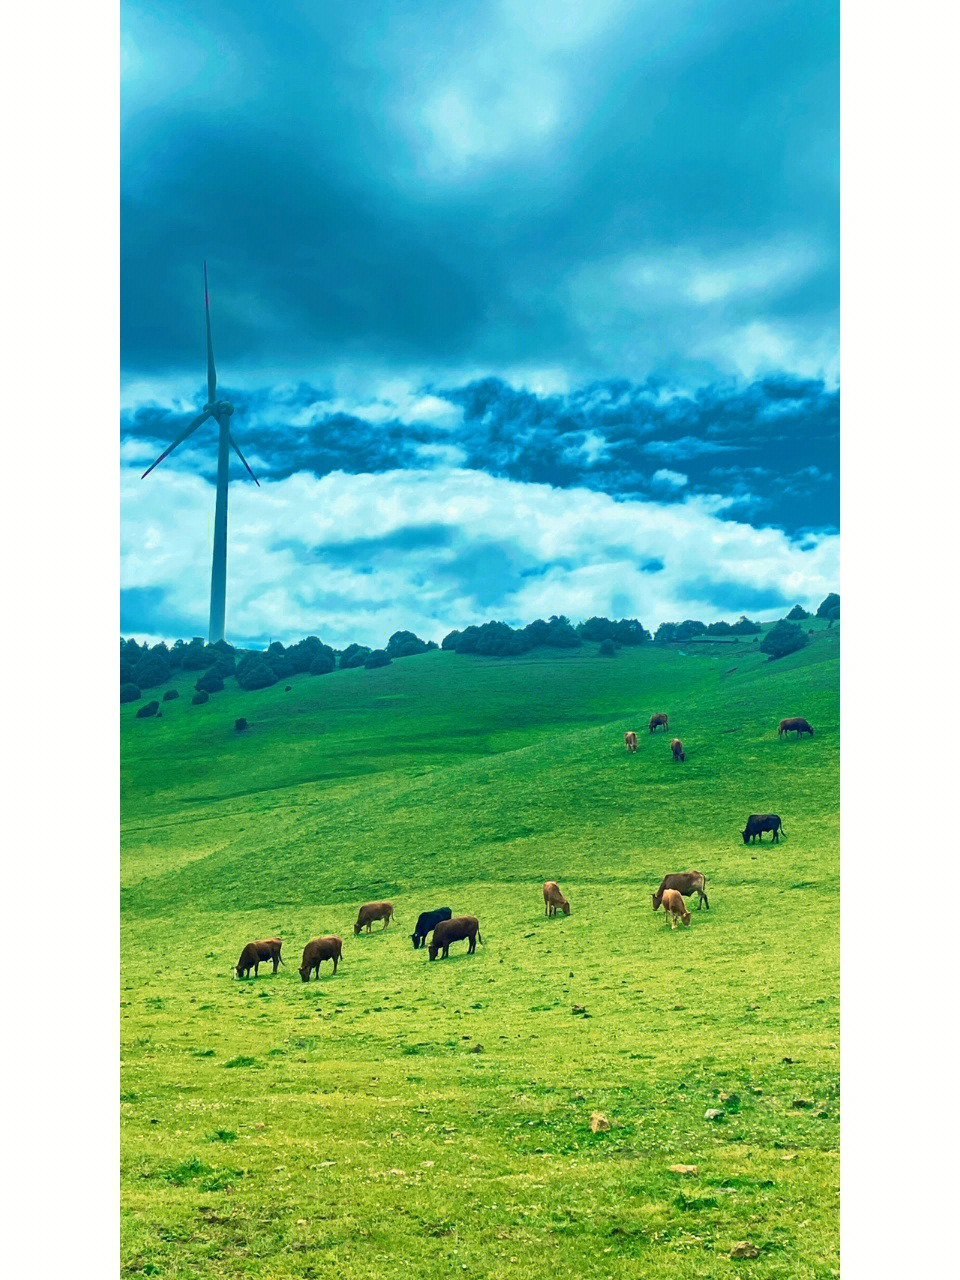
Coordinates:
(211, 367)
(177, 440)
(236, 450)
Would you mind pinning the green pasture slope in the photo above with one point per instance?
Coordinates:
(350, 1127)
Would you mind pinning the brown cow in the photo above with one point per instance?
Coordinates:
(256, 953)
(455, 930)
(630, 740)
(676, 746)
(553, 898)
(686, 882)
(674, 908)
(329, 947)
(373, 911)
(794, 722)
(659, 721)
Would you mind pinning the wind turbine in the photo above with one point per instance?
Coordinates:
(221, 412)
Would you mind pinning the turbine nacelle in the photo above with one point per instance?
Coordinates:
(218, 409)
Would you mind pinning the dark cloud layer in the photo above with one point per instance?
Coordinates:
(608, 188)
(770, 447)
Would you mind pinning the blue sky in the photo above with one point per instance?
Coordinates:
(525, 308)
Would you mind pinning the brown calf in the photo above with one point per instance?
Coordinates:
(630, 740)
(455, 930)
(373, 911)
(659, 721)
(329, 947)
(553, 898)
(256, 953)
(794, 722)
(685, 882)
(674, 908)
(676, 746)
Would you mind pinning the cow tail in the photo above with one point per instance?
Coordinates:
(280, 958)
(782, 832)
(479, 939)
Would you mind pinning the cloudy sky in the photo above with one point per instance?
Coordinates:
(526, 307)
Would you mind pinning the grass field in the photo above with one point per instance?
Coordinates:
(350, 1127)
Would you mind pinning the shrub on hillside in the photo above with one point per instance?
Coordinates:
(196, 655)
(307, 654)
(151, 670)
(148, 709)
(255, 672)
(492, 639)
(353, 656)
(830, 606)
(379, 658)
(627, 631)
(130, 692)
(240, 724)
(797, 614)
(784, 638)
(210, 682)
(126, 672)
(668, 631)
(744, 627)
(608, 648)
(449, 642)
(170, 695)
(200, 698)
(404, 644)
(555, 634)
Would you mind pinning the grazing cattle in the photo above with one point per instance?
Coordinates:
(659, 721)
(674, 908)
(455, 930)
(426, 922)
(685, 882)
(757, 823)
(794, 722)
(676, 746)
(329, 947)
(553, 898)
(256, 953)
(630, 740)
(373, 911)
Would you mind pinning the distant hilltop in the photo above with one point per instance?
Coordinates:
(147, 666)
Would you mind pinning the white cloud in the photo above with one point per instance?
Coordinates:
(674, 479)
(356, 557)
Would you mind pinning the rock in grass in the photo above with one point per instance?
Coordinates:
(712, 1113)
(744, 1249)
(598, 1122)
(477, 1048)
(801, 1103)
(684, 1168)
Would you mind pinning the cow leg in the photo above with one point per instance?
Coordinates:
(334, 964)
(673, 921)
(256, 969)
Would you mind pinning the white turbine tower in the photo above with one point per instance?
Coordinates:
(221, 411)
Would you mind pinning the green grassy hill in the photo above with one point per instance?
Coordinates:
(349, 1126)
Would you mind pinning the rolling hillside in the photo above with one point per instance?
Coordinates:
(348, 1126)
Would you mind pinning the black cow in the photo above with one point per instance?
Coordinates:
(757, 823)
(426, 921)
